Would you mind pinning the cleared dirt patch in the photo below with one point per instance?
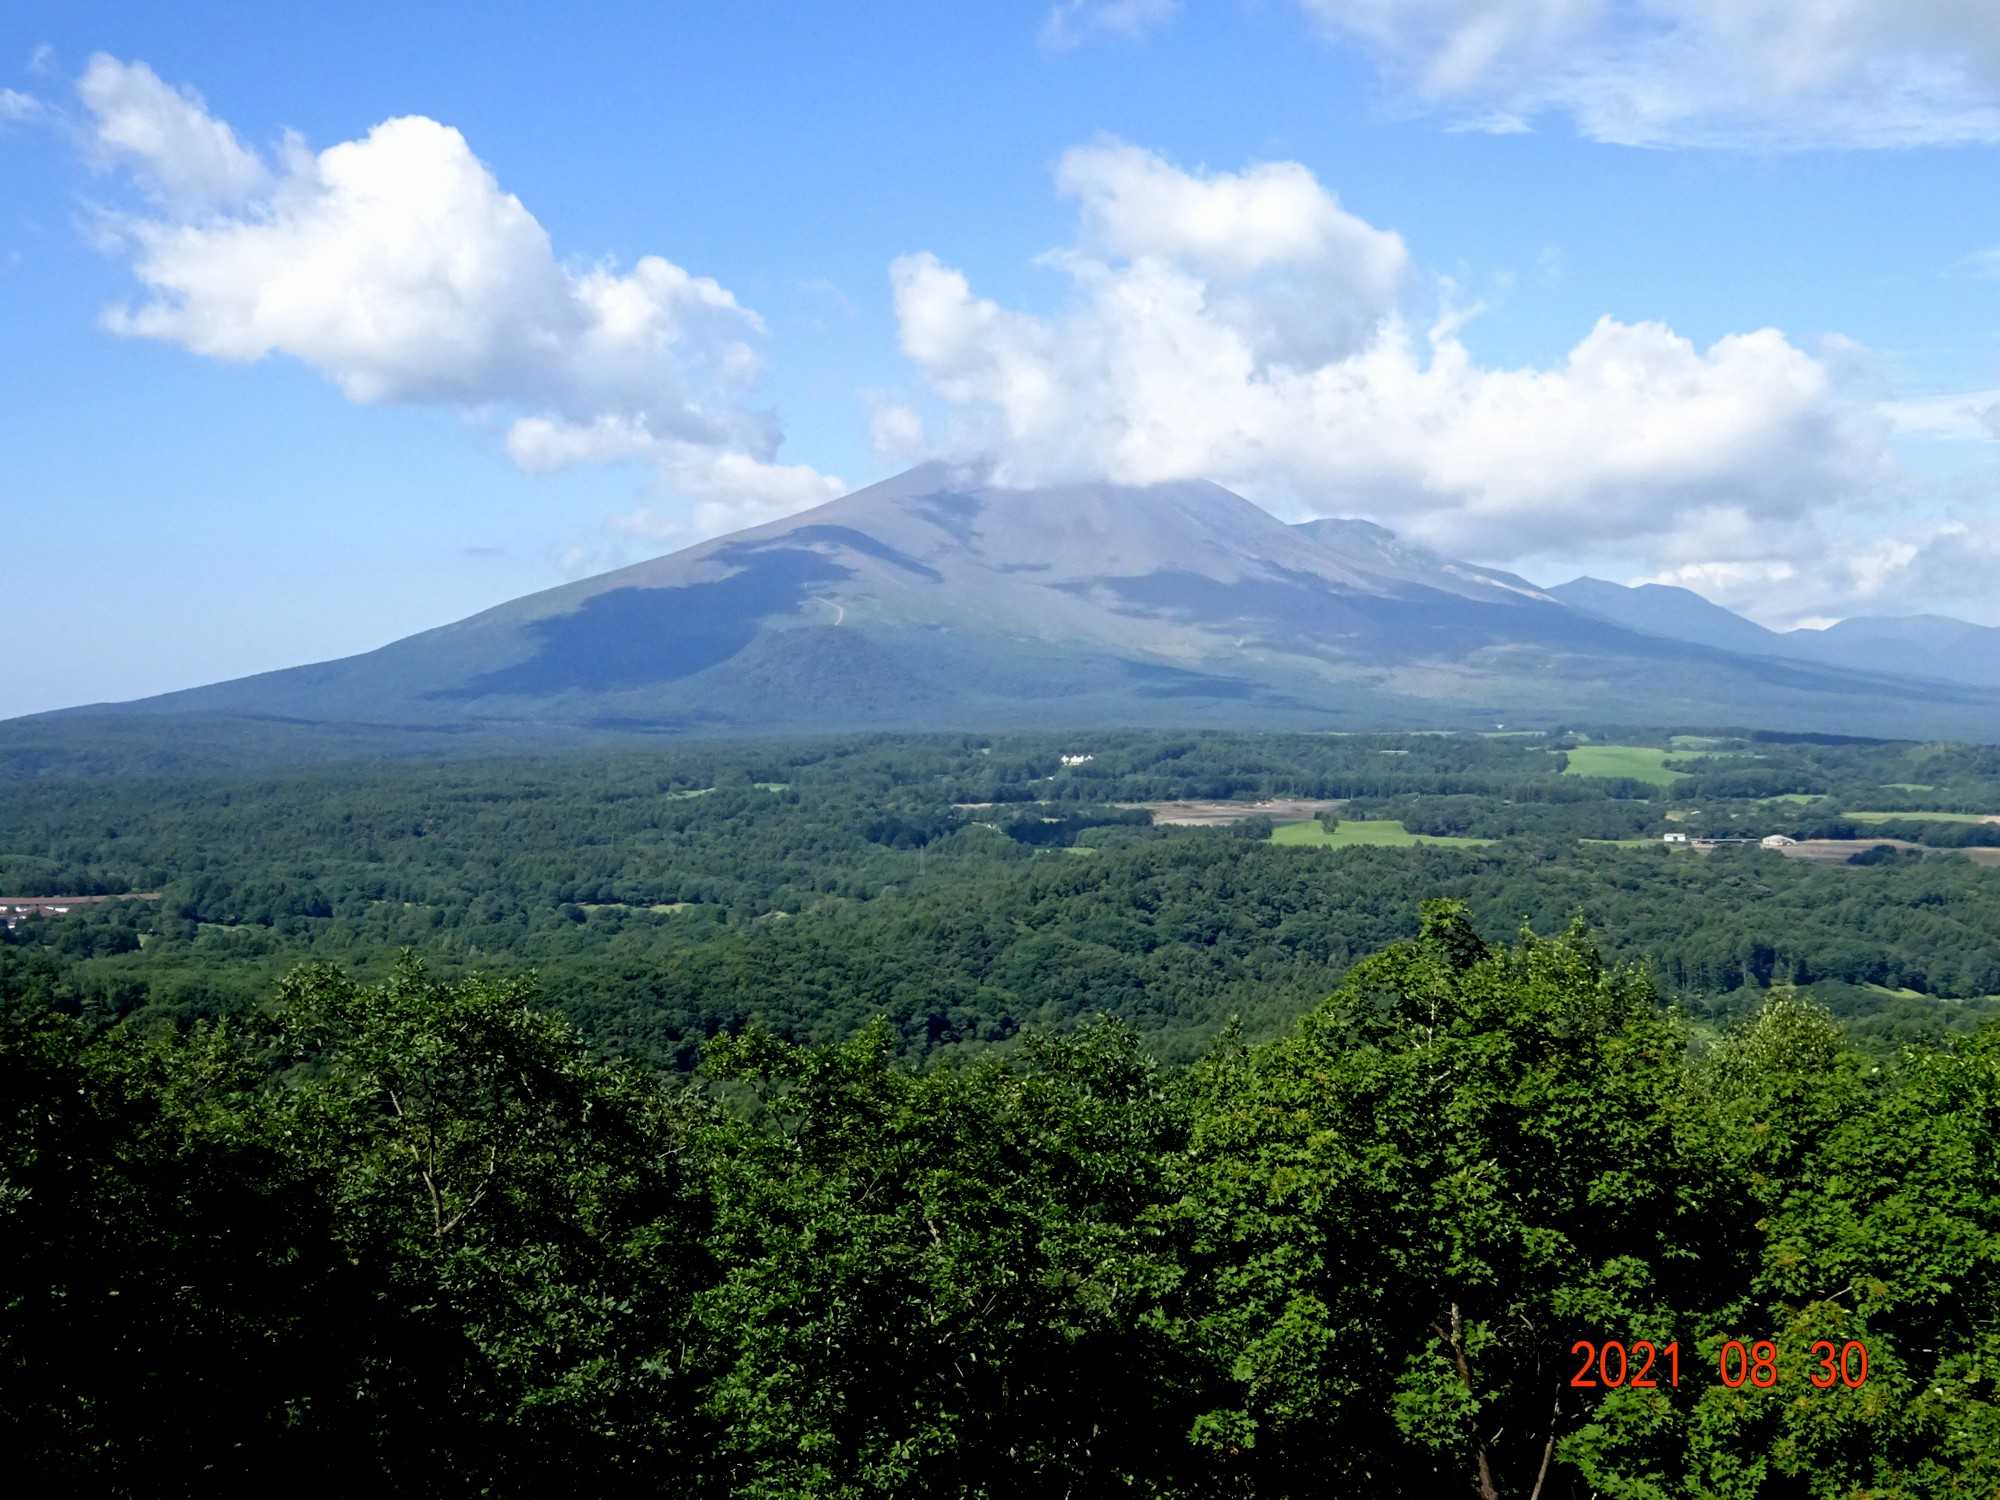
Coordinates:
(40, 902)
(1223, 814)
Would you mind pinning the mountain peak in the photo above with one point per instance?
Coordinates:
(938, 598)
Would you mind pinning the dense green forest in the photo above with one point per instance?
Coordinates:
(950, 1115)
(416, 1238)
(968, 888)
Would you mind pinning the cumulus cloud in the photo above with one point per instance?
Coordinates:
(1317, 393)
(1768, 73)
(397, 266)
(1070, 22)
(895, 430)
(16, 106)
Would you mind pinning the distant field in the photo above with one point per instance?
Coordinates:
(1353, 832)
(1907, 786)
(1639, 843)
(1695, 741)
(1792, 797)
(1637, 762)
(1221, 814)
(1923, 817)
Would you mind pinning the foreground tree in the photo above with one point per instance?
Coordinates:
(946, 1283)
(530, 1220)
(1405, 1214)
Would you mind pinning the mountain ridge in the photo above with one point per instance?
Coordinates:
(1918, 646)
(936, 599)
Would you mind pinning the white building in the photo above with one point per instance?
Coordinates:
(1673, 838)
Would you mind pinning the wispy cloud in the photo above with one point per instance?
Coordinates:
(1070, 23)
(1969, 416)
(1765, 74)
(1982, 263)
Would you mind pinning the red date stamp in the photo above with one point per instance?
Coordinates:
(1644, 1365)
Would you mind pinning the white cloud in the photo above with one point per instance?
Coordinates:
(1069, 22)
(1820, 569)
(16, 106)
(1168, 363)
(1728, 580)
(1231, 225)
(1969, 416)
(895, 431)
(181, 152)
(397, 266)
(1770, 73)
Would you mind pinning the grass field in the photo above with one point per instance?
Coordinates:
(1638, 762)
(1907, 786)
(1354, 832)
(1918, 817)
(1792, 797)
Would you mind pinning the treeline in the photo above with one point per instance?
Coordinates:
(969, 888)
(413, 1239)
(974, 937)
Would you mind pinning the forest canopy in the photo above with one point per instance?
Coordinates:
(416, 1237)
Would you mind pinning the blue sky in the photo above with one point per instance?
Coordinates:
(1564, 285)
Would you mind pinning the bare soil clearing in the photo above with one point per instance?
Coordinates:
(41, 901)
(1223, 814)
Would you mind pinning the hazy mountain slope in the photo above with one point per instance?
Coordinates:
(1676, 613)
(1385, 555)
(1908, 645)
(935, 600)
(1912, 646)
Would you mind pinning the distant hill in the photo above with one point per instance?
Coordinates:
(1909, 645)
(1929, 647)
(937, 600)
(1675, 613)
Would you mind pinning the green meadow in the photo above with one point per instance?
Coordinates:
(1636, 762)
